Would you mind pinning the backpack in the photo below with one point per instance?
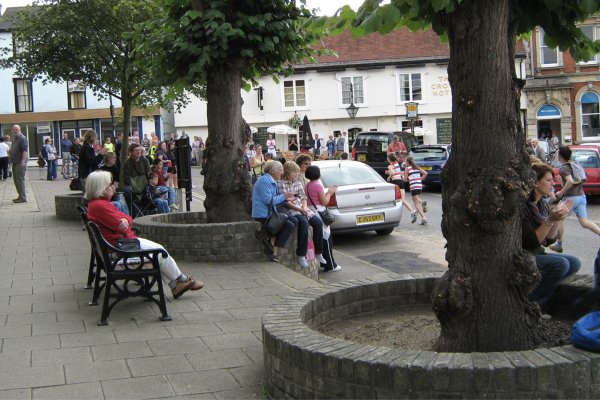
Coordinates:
(44, 152)
(579, 175)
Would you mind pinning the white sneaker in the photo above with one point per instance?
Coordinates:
(174, 206)
(339, 267)
(302, 262)
(320, 259)
(413, 217)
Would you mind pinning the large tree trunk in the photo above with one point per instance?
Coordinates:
(481, 301)
(226, 180)
(126, 103)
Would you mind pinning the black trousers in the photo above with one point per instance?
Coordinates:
(328, 254)
(4, 167)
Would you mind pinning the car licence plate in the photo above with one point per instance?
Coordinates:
(369, 219)
(362, 157)
(427, 168)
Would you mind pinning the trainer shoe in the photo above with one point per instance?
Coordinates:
(302, 261)
(174, 207)
(320, 259)
(424, 205)
(556, 248)
(423, 222)
(19, 201)
(181, 288)
(413, 217)
(337, 268)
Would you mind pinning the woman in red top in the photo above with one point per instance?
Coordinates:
(115, 225)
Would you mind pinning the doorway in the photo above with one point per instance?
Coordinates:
(545, 128)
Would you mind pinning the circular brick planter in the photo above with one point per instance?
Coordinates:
(65, 205)
(303, 363)
(188, 237)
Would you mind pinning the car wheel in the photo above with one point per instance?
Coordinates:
(384, 232)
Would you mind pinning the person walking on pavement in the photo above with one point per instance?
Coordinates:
(415, 175)
(65, 148)
(18, 158)
(4, 149)
(571, 190)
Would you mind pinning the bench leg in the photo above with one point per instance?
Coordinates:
(162, 301)
(91, 273)
(105, 309)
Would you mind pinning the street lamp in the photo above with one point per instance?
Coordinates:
(352, 109)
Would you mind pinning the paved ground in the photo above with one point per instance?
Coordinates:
(51, 346)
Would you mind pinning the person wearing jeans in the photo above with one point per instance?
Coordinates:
(264, 201)
(539, 228)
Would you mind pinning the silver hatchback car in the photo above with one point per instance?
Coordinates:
(364, 201)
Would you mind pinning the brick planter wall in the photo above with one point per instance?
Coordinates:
(65, 205)
(187, 237)
(303, 363)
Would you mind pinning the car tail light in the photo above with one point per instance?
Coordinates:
(398, 193)
(354, 153)
(332, 201)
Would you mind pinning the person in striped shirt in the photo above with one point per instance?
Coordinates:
(415, 175)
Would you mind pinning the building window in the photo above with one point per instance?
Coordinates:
(294, 93)
(18, 47)
(76, 95)
(358, 93)
(410, 87)
(23, 95)
(549, 56)
(590, 32)
(590, 115)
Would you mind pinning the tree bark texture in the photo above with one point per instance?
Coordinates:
(481, 301)
(226, 181)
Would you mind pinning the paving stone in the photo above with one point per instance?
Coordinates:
(149, 387)
(31, 318)
(60, 356)
(255, 353)
(96, 371)
(86, 339)
(231, 341)
(202, 382)
(248, 312)
(121, 351)
(31, 298)
(30, 343)
(249, 375)
(240, 325)
(209, 305)
(15, 309)
(11, 331)
(237, 284)
(47, 328)
(228, 294)
(147, 333)
(15, 394)
(258, 301)
(81, 391)
(56, 306)
(207, 316)
(219, 359)
(53, 289)
(177, 346)
(12, 360)
(253, 392)
(22, 378)
(159, 365)
(193, 330)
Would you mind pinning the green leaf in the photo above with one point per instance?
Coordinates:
(439, 5)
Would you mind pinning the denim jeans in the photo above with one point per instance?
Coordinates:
(170, 192)
(162, 205)
(283, 235)
(51, 170)
(553, 269)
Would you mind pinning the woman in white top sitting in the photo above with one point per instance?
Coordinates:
(272, 146)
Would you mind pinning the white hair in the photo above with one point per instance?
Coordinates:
(273, 166)
(96, 183)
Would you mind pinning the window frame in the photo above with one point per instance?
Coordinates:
(76, 87)
(410, 80)
(29, 95)
(583, 115)
(363, 87)
(541, 46)
(295, 94)
(595, 59)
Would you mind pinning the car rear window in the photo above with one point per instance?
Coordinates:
(379, 142)
(348, 174)
(429, 154)
(587, 158)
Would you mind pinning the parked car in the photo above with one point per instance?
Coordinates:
(588, 156)
(432, 159)
(371, 148)
(364, 201)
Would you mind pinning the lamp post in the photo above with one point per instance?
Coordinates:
(412, 113)
(352, 109)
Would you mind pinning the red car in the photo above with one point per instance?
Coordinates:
(588, 156)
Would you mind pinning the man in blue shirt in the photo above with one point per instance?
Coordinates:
(65, 148)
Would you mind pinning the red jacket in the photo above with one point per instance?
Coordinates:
(108, 218)
(161, 176)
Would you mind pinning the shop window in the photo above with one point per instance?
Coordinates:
(590, 115)
(549, 57)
